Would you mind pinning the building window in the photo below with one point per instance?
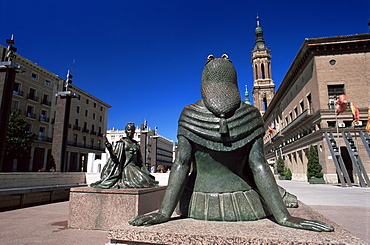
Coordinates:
(336, 90)
(78, 110)
(301, 104)
(43, 116)
(17, 89)
(94, 105)
(47, 83)
(87, 101)
(309, 102)
(29, 112)
(41, 133)
(331, 124)
(32, 94)
(34, 76)
(101, 119)
(15, 104)
(86, 113)
(93, 116)
(296, 111)
(45, 100)
(101, 108)
(333, 92)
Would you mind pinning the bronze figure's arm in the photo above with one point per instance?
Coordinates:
(268, 189)
(176, 185)
(110, 150)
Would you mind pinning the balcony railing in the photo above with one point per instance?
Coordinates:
(76, 127)
(43, 118)
(45, 102)
(31, 115)
(32, 97)
(85, 130)
(20, 93)
(300, 117)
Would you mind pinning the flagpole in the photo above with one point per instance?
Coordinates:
(336, 124)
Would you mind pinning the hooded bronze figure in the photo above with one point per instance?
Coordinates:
(220, 172)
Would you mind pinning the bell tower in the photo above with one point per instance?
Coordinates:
(263, 85)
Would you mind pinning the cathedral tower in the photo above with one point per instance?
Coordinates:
(263, 86)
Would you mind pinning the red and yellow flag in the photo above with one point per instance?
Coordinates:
(341, 104)
(355, 113)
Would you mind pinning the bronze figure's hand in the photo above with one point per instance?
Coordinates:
(149, 219)
(304, 224)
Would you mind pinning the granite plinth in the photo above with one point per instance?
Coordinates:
(102, 209)
(190, 231)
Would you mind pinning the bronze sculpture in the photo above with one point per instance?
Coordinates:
(125, 168)
(220, 143)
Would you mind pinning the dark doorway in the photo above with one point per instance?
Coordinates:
(38, 159)
(347, 162)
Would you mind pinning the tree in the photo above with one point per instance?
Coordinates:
(314, 168)
(18, 139)
(280, 166)
(287, 173)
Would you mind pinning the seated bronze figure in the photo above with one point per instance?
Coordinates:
(125, 168)
(220, 171)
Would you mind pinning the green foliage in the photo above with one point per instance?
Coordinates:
(18, 139)
(287, 173)
(280, 166)
(314, 168)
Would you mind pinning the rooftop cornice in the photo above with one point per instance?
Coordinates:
(313, 47)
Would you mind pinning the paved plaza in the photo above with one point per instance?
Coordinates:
(47, 224)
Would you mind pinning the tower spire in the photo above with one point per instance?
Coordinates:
(246, 95)
(263, 85)
(259, 44)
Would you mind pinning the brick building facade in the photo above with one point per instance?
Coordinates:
(303, 108)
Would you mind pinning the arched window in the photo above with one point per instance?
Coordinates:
(263, 71)
(255, 72)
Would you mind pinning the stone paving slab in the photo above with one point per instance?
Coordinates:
(190, 231)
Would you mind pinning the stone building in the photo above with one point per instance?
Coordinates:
(303, 111)
(34, 96)
(155, 149)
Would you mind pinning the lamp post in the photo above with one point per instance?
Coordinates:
(8, 70)
(60, 135)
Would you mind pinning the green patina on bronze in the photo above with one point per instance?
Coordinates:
(125, 168)
(220, 172)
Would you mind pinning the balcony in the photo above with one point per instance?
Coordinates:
(45, 102)
(43, 138)
(85, 130)
(76, 127)
(20, 93)
(93, 132)
(32, 97)
(43, 118)
(304, 115)
(31, 115)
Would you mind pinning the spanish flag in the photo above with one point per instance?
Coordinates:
(355, 113)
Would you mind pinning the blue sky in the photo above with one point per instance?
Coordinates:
(145, 58)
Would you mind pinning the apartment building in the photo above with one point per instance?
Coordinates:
(34, 96)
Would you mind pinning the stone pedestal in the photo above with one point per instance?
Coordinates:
(102, 209)
(190, 231)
